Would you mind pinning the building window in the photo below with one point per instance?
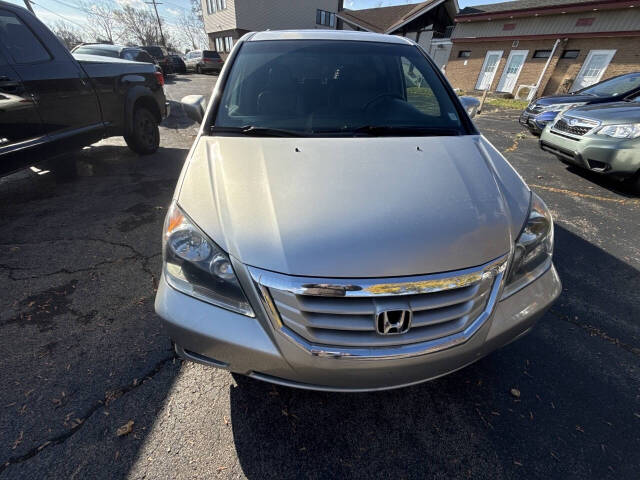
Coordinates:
(509, 26)
(219, 44)
(584, 22)
(228, 44)
(464, 53)
(570, 54)
(214, 6)
(325, 18)
(542, 54)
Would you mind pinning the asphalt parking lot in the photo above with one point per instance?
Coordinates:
(84, 354)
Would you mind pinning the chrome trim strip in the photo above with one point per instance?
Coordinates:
(401, 351)
(264, 280)
(366, 287)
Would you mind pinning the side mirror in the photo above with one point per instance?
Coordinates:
(194, 106)
(471, 105)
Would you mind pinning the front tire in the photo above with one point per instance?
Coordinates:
(145, 135)
(634, 183)
(198, 69)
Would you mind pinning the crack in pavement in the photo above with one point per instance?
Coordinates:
(109, 398)
(597, 332)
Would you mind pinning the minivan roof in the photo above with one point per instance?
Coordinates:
(327, 35)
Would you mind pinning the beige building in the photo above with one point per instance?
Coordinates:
(542, 47)
(227, 20)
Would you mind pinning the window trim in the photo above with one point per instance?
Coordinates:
(7, 52)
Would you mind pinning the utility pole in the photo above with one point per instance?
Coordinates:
(28, 4)
(154, 3)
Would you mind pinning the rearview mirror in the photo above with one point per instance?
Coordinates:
(471, 105)
(194, 106)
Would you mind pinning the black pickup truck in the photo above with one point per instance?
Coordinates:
(52, 102)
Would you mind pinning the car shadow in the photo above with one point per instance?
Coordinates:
(176, 78)
(534, 409)
(80, 254)
(605, 181)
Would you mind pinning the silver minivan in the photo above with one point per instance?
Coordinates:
(341, 225)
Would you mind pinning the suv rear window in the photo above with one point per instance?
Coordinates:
(210, 54)
(155, 51)
(329, 87)
(103, 52)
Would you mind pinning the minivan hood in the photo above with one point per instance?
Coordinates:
(349, 207)
(609, 113)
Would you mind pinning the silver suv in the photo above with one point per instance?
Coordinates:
(341, 225)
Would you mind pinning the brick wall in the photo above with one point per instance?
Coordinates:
(561, 71)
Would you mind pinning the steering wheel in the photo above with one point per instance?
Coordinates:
(380, 97)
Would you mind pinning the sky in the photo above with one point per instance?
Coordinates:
(51, 11)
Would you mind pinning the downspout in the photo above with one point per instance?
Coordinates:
(544, 70)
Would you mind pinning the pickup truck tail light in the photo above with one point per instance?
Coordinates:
(159, 78)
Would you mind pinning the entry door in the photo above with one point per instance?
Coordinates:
(489, 67)
(593, 68)
(512, 70)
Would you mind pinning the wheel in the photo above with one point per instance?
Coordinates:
(145, 137)
(198, 69)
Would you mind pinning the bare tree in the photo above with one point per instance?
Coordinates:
(102, 21)
(191, 31)
(70, 35)
(138, 25)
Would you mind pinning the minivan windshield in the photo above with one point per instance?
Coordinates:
(613, 87)
(329, 87)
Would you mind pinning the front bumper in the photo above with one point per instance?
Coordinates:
(535, 123)
(251, 346)
(617, 157)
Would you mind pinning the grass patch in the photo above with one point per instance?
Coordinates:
(511, 103)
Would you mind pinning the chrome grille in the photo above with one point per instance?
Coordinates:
(342, 313)
(574, 126)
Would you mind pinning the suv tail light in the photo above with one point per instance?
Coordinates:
(159, 78)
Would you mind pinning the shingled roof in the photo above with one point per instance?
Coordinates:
(383, 19)
(516, 5)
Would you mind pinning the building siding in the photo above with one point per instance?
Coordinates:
(561, 72)
(221, 20)
(606, 21)
(281, 14)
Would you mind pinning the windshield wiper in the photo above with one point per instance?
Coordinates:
(405, 131)
(251, 130)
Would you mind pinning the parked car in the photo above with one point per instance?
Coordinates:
(161, 56)
(340, 226)
(602, 138)
(542, 111)
(115, 51)
(178, 64)
(52, 102)
(204, 61)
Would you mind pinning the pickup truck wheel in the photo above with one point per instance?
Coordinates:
(145, 138)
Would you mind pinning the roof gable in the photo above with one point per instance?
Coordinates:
(384, 19)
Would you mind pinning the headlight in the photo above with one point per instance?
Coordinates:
(561, 107)
(629, 130)
(533, 249)
(194, 265)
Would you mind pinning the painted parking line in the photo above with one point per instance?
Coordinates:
(571, 193)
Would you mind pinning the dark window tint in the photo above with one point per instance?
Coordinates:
(210, 54)
(325, 88)
(143, 56)
(20, 41)
(464, 53)
(97, 51)
(570, 54)
(155, 51)
(128, 54)
(542, 54)
(614, 86)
